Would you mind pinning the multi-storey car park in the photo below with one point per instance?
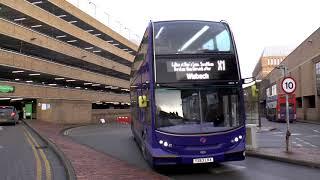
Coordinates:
(62, 61)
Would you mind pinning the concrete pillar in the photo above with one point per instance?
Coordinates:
(64, 111)
(251, 140)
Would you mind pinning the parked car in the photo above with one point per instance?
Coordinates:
(8, 114)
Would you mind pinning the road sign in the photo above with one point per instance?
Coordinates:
(288, 85)
(6, 89)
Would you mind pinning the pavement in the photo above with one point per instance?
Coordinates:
(305, 143)
(88, 163)
(301, 156)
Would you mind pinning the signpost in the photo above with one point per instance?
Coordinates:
(288, 86)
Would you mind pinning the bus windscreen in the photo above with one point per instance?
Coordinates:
(193, 51)
(191, 37)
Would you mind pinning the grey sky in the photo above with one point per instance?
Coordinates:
(255, 23)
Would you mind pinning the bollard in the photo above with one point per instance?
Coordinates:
(251, 141)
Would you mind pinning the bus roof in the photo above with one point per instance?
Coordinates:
(222, 21)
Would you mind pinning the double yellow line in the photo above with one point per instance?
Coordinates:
(33, 143)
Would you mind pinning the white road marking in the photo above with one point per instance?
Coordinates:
(1, 147)
(226, 168)
(280, 135)
(277, 133)
(299, 145)
(312, 136)
(294, 142)
(1, 128)
(316, 131)
(295, 134)
(307, 143)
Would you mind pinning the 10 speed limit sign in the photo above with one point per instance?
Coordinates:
(288, 85)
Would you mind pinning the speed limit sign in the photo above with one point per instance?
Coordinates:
(288, 85)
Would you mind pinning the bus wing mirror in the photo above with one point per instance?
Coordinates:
(143, 101)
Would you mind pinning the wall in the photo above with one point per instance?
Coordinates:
(64, 111)
(108, 114)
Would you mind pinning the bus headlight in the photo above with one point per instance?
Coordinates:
(165, 144)
(236, 139)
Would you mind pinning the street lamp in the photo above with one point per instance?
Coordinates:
(95, 8)
(108, 18)
(258, 81)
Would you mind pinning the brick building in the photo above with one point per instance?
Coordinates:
(304, 66)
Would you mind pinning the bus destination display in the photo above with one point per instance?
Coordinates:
(193, 70)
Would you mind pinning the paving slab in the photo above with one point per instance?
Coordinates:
(301, 156)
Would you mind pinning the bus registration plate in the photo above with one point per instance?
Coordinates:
(202, 160)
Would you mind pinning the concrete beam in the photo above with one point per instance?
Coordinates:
(45, 92)
(27, 35)
(12, 59)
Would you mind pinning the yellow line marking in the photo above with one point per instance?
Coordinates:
(44, 157)
(38, 161)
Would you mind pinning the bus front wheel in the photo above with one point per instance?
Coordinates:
(143, 149)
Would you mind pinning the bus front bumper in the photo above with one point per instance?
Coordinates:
(171, 159)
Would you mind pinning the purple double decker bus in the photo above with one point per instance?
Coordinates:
(186, 94)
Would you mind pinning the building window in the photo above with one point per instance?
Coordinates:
(274, 90)
(299, 102)
(310, 101)
(318, 78)
(268, 92)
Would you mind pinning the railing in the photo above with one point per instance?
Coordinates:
(92, 9)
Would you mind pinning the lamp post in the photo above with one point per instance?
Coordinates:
(95, 8)
(108, 18)
(258, 84)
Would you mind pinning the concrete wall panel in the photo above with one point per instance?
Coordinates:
(39, 65)
(24, 34)
(45, 92)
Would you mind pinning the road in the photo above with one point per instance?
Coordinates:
(303, 135)
(116, 140)
(24, 156)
